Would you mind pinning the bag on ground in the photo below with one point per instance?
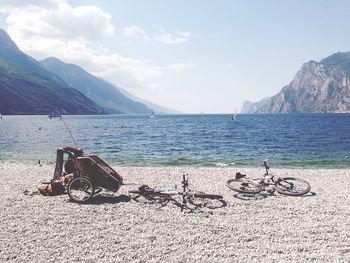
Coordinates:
(51, 188)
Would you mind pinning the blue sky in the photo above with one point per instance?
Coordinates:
(192, 56)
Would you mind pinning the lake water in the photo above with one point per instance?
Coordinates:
(288, 140)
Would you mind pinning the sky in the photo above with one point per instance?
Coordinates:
(190, 55)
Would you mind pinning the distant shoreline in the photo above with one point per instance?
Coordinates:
(178, 114)
(31, 163)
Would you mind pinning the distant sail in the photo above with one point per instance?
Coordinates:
(234, 116)
(152, 115)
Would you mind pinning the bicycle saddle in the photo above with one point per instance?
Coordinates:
(240, 176)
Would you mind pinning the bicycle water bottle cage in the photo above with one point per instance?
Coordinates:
(146, 189)
(240, 176)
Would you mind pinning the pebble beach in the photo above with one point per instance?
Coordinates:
(114, 227)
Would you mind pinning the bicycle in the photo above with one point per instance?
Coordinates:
(284, 185)
(198, 199)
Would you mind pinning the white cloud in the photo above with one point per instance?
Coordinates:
(162, 36)
(180, 66)
(7, 5)
(62, 21)
(55, 28)
(126, 72)
(135, 32)
(73, 34)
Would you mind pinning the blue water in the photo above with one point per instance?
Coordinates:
(288, 140)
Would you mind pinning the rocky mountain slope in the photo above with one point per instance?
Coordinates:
(26, 87)
(318, 87)
(96, 89)
(251, 107)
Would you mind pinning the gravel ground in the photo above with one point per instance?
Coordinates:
(116, 228)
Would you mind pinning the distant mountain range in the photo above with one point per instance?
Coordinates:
(26, 87)
(155, 107)
(98, 90)
(31, 87)
(317, 87)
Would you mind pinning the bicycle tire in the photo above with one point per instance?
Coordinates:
(204, 200)
(208, 196)
(292, 186)
(243, 186)
(156, 194)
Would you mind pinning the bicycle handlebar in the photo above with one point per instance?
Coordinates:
(267, 167)
(265, 164)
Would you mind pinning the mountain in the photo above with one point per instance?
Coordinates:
(26, 87)
(10, 52)
(317, 87)
(340, 59)
(155, 107)
(96, 89)
(252, 107)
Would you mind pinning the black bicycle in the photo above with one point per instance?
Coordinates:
(284, 185)
(198, 199)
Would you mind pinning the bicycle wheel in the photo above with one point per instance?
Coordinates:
(155, 195)
(138, 195)
(243, 186)
(208, 196)
(292, 186)
(80, 190)
(204, 200)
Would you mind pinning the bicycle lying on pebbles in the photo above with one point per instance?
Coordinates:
(284, 185)
(195, 198)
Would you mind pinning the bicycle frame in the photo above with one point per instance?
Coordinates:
(262, 182)
(284, 185)
(167, 195)
(272, 180)
(267, 181)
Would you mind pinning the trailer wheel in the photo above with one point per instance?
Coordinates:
(80, 190)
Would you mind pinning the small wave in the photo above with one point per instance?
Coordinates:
(221, 164)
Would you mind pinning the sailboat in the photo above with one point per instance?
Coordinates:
(0, 116)
(152, 115)
(234, 116)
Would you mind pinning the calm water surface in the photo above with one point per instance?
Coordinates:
(292, 140)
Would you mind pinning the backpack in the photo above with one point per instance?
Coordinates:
(51, 188)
